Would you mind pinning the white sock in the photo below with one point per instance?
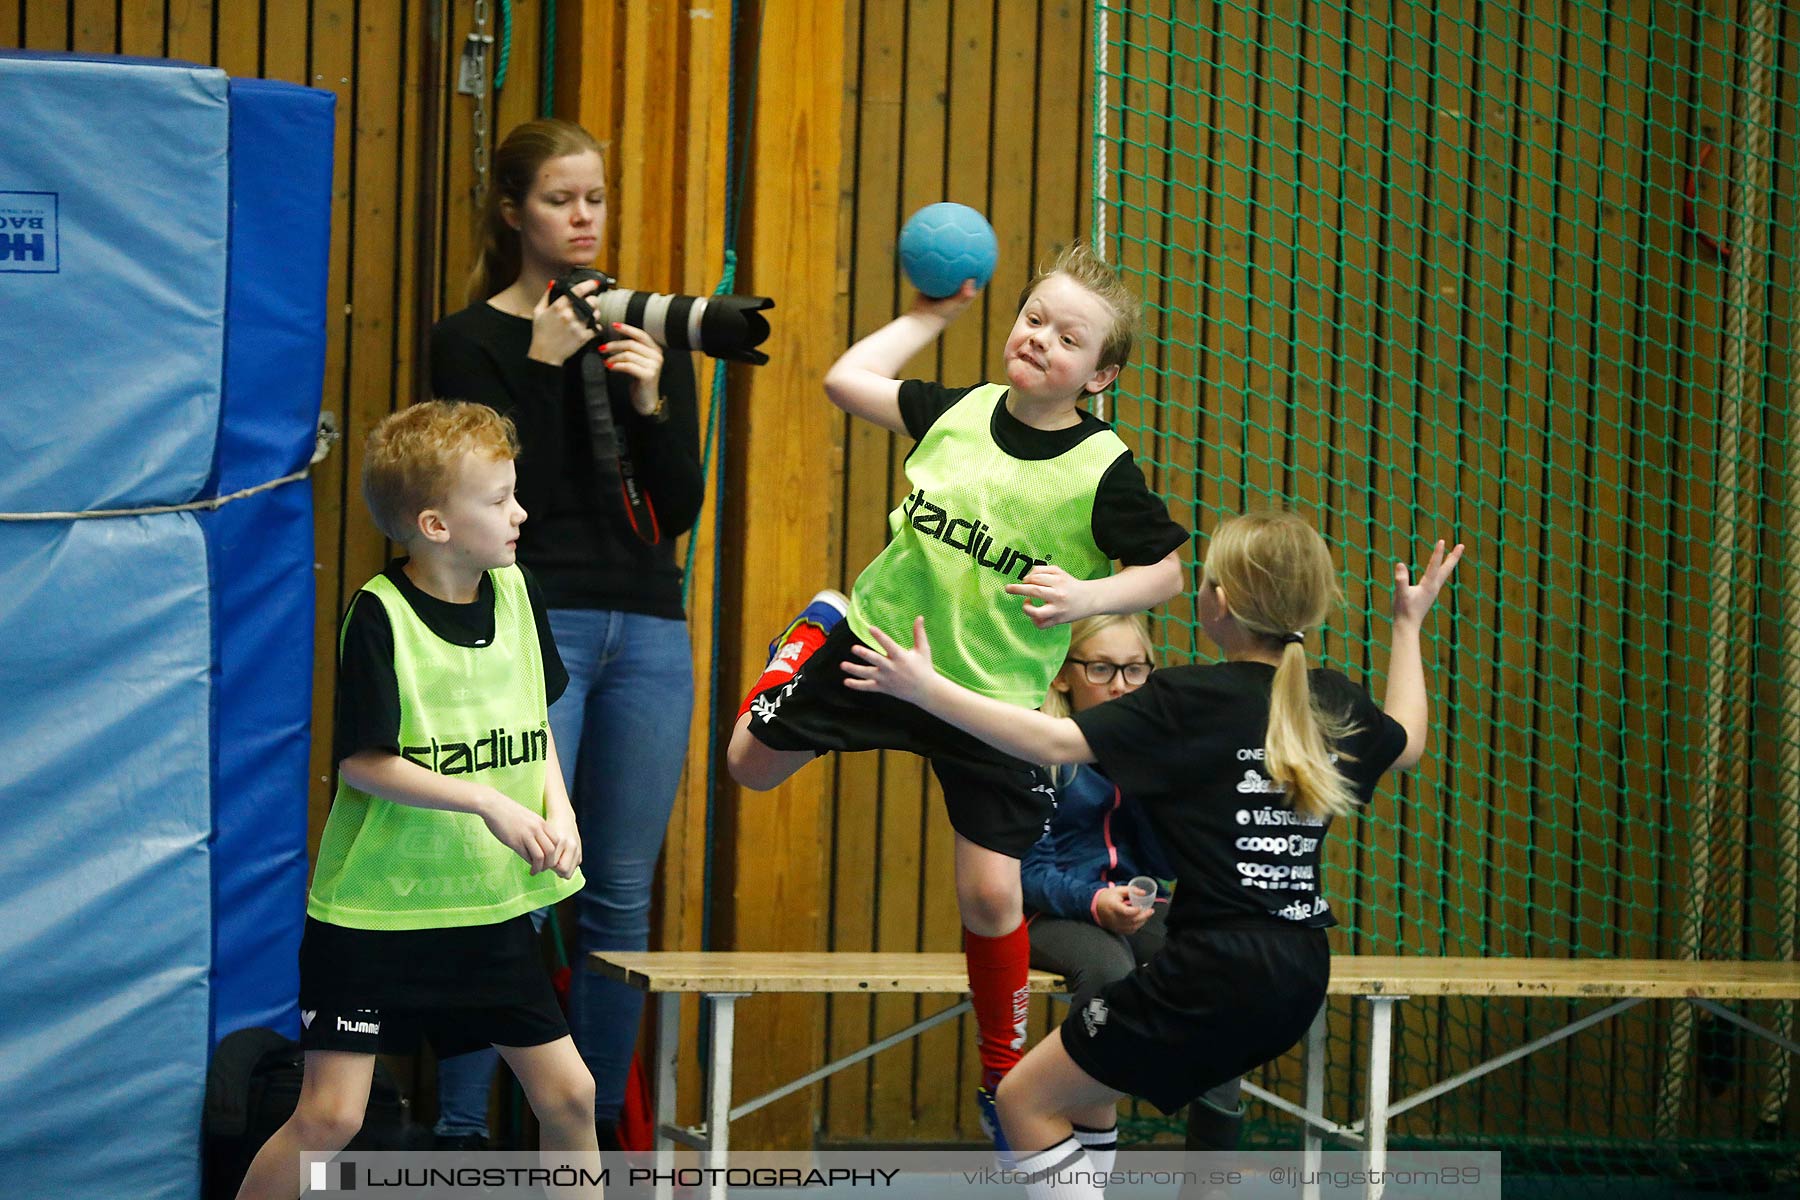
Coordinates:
(1102, 1146)
(1048, 1173)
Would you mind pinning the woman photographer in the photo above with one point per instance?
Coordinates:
(608, 485)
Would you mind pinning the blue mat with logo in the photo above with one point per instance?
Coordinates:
(163, 237)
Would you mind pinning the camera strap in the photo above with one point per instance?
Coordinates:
(612, 452)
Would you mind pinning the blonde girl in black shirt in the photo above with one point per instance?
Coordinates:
(1240, 766)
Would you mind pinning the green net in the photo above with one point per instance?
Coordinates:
(1519, 274)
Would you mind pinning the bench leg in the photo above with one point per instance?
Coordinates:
(1381, 1059)
(668, 1041)
(1312, 1141)
(718, 1089)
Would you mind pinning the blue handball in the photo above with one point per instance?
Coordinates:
(943, 244)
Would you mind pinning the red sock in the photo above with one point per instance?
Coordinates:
(999, 968)
(804, 638)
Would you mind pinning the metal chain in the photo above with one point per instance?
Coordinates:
(481, 43)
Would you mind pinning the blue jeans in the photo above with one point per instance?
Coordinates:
(621, 732)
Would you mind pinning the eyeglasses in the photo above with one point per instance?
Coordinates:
(1101, 673)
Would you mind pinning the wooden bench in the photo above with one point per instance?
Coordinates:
(1384, 981)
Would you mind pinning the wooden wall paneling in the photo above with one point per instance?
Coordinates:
(442, 293)
(786, 456)
(1724, 98)
(1132, 405)
(1528, 264)
(1592, 392)
(1270, 63)
(411, 223)
(643, 145)
(1269, 245)
(188, 30)
(1544, 515)
(335, 501)
(1060, 111)
(1319, 148)
(597, 35)
(1690, 380)
(370, 107)
(1401, 415)
(1221, 478)
(11, 22)
(518, 98)
(1010, 162)
(1443, 826)
(141, 26)
(1335, 144)
(1228, 270)
(860, 869)
(239, 37)
(286, 41)
(94, 27)
(585, 32)
(1078, 26)
(1700, 501)
(1632, 776)
(1773, 790)
(46, 25)
(1612, 75)
(1353, 445)
(1664, 424)
(1391, 419)
(1275, 207)
(1484, 365)
(458, 200)
(1658, 844)
(1348, 464)
(1174, 438)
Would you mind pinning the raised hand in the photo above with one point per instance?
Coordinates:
(1413, 600)
(947, 308)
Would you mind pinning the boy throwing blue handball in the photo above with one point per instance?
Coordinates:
(1241, 767)
(1021, 501)
(450, 824)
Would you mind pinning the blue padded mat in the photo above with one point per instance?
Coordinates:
(105, 947)
(124, 166)
(159, 667)
(262, 560)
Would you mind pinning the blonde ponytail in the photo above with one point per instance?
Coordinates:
(1278, 580)
(1297, 748)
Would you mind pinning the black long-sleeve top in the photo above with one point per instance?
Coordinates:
(578, 542)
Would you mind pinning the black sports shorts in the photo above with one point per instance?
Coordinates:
(1212, 1005)
(998, 802)
(451, 1031)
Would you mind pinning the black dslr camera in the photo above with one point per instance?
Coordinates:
(728, 327)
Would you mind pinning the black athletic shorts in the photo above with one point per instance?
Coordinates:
(451, 1031)
(999, 802)
(1214, 1004)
